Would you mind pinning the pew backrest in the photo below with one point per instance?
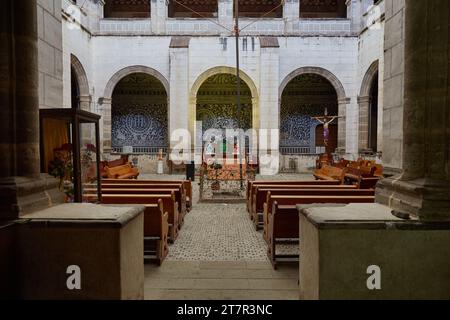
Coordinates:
(294, 200)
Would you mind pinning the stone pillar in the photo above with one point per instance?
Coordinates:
(159, 13)
(85, 103)
(363, 130)
(19, 112)
(423, 188)
(342, 126)
(106, 124)
(269, 101)
(20, 184)
(355, 14)
(225, 14)
(291, 15)
(181, 110)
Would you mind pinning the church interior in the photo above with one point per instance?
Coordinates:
(225, 150)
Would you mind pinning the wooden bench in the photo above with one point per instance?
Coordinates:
(178, 189)
(295, 200)
(125, 171)
(367, 183)
(262, 196)
(169, 203)
(111, 164)
(156, 230)
(186, 183)
(330, 173)
(283, 228)
(188, 189)
(251, 185)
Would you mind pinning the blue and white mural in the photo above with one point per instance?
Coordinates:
(139, 113)
(305, 97)
(140, 125)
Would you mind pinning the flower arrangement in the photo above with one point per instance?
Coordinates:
(61, 167)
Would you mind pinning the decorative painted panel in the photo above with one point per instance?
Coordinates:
(306, 96)
(139, 113)
(217, 103)
(139, 125)
(224, 116)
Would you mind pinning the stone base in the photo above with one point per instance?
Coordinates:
(104, 242)
(8, 261)
(340, 245)
(22, 195)
(423, 198)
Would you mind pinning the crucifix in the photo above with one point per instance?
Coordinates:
(326, 120)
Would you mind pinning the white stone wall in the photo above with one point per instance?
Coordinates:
(339, 56)
(106, 46)
(76, 42)
(370, 50)
(50, 52)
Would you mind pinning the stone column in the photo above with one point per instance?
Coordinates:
(363, 129)
(423, 188)
(291, 15)
(342, 125)
(20, 183)
(269, 102)
(106, 125)
(19, 112)
(158, 14)
(225, 14)
(355, 13)
(181, 110)
(85, 103)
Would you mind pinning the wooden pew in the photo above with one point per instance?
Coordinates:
(185, 185)
(180, 194)
(188, 189)
(260, 194)
(125, 171)
(169, 203)
(251, 185)
(156, 230)
(363, 176)
(310, 199)
(283, 228)
(263, 194)
(330, 173)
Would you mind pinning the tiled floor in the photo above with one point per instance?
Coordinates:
(219, 255)
(232, 280)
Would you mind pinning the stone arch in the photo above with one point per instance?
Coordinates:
(119, 75)
(319, 71)
(217, 70)
(364, 104)
(83, 83)
(106, 100)
(342, 98)
(368, 78)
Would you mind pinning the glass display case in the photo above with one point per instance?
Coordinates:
(70, 151)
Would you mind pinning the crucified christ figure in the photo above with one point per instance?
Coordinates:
(326, 120)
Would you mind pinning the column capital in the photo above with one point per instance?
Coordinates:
(365, 99)
(345, 100)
